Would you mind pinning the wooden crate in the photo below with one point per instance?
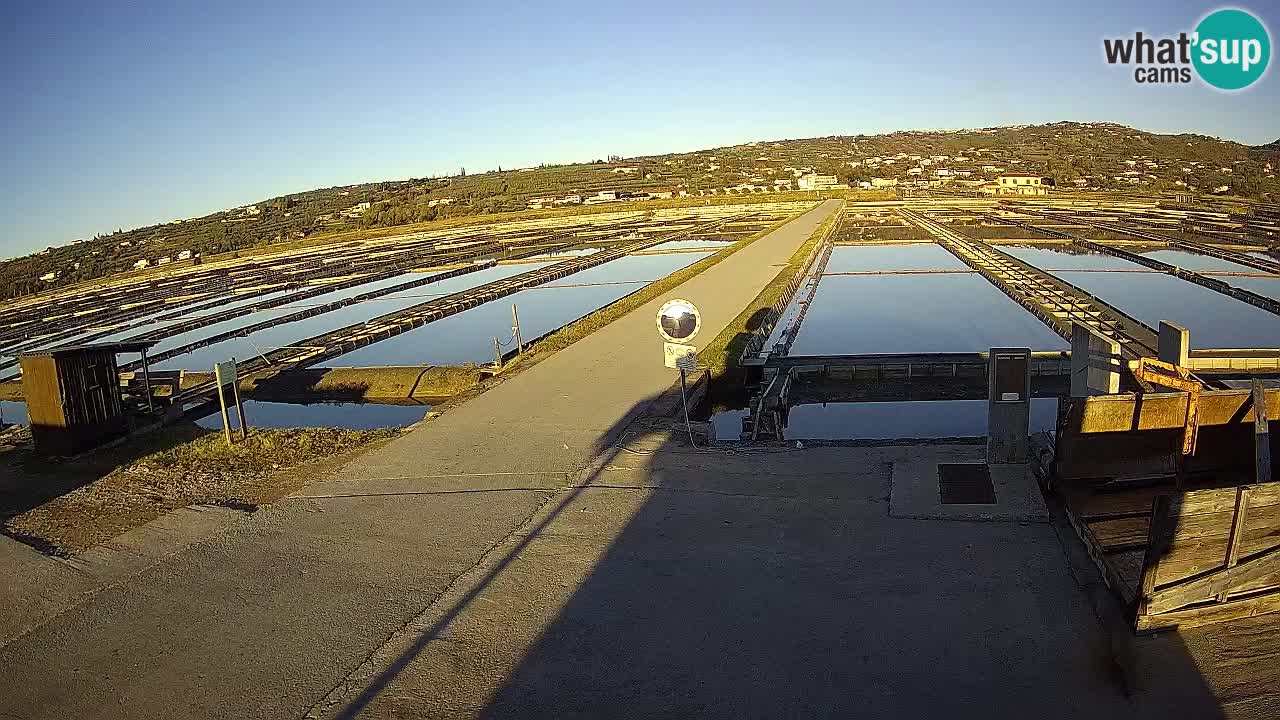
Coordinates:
(1205, 552)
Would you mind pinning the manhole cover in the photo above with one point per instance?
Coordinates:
(966, 484)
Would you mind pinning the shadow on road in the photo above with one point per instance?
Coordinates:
(772, 583)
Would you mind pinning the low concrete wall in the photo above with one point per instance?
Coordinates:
(377, 383)
(382, 384)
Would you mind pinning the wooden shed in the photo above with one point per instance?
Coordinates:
(73, 396)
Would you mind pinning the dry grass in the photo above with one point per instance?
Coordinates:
(66, 509)
(264, 450)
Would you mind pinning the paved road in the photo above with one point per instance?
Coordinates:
(266, 619)
(775, 584)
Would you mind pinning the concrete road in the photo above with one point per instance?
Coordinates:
(771, 584)
(268, 618)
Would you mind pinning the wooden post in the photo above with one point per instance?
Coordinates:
(497, 354)
(222, 405)
(146, 381)
(244, 422)
(1157, 534)
(1261, 433)
(515, 330)
(1237, 529)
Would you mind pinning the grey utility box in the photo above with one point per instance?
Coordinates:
(1008, 405)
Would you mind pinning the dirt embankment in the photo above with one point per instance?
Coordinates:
(67, 507)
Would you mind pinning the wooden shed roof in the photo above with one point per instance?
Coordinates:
(114, 347)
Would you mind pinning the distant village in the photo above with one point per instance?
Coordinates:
(976, 171)
(807, 179)
(1017, 160)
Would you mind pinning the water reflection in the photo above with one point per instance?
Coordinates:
(461, 341)
(468, 336)
(1215, 320)
(1059, 259)
(1267, 287)
(915, 314)
(892, 257)
(13, 413)
(285, 334)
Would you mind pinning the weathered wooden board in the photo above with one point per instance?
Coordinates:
(1160, 411)
(1121, 533)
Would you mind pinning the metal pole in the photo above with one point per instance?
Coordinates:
(244, 422)
(497, 354)
(146, 382)
(684, 397)
(515, 330)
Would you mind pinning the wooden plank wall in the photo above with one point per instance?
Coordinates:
(41, 391)
(73, 401)
(1115, 436)
(1209, 549)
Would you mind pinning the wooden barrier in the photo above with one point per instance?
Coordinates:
(1211, 555)
(1175, 558)
(1116, 437)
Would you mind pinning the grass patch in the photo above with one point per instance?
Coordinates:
(66, 508)
(721, 355)
(575, 331)
(263, 450)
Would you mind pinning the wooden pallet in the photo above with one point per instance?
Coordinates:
(1183, 558)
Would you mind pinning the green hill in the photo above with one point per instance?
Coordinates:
(1103, 156)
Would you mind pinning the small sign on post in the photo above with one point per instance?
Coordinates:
(225, 374)
(680, 357)
(678, 322)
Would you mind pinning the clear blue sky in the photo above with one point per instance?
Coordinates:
(120, 115)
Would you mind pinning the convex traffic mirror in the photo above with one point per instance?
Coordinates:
(678, 321)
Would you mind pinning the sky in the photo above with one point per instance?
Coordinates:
(120, 115)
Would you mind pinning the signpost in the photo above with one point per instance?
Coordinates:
(225, 374)
(678, 322)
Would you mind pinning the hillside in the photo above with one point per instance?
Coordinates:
(1103, 156)
(1269, 152)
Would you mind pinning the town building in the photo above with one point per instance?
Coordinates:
(1021, 184)
(602, 197)
(818, 182)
